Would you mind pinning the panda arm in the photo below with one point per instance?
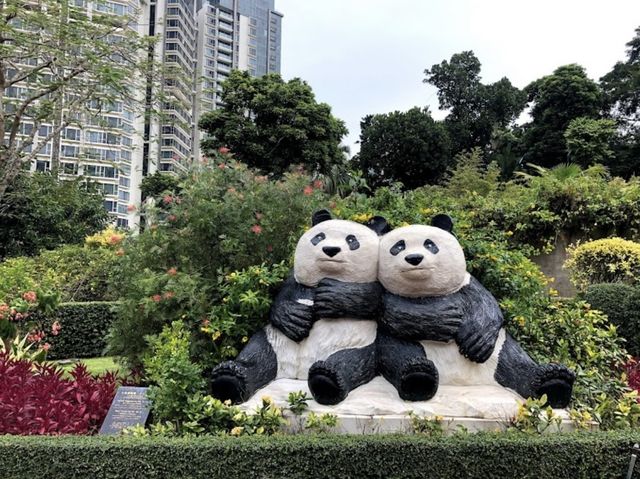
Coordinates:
(292, 310)
(434, 319)
(482, 322)
(336, 299)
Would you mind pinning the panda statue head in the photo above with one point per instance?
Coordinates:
(418, 261)
(338, 249)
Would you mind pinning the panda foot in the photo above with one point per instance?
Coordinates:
(228, 381)
(556, 381)
(418, 381)
(326, 385)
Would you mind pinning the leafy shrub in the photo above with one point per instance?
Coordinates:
(179, 405)
(246, 297)
(226, 219)
(41, 212)
(78, 273)
(82, 329)
(176, 379)
(546, 456)
(612, 260)
(36, 399)
(621, 303)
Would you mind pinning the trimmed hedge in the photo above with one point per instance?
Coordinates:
(575, 455)
(621, 303)
(84, 329)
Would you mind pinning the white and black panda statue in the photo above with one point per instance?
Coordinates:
(322, 322)
(436, 313)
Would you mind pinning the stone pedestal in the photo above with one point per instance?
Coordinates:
(376, 407)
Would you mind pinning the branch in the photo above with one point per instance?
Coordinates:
(20, 77)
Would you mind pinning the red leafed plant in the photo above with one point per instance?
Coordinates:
(36, 399)
(633, 374)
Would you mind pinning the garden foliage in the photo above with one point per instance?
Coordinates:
(547, 456)
(37, 399)
(226, 219)
(612, 260)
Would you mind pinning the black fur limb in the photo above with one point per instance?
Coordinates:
(255, 366)
(405, 365)
(331, 380)
(293, 318)
(436, 319)
(338, 299)
(471, 316)
(517, 371)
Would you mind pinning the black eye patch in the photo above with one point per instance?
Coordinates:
(317, 238)
(431, 246)
(397, 248)
(353, 242)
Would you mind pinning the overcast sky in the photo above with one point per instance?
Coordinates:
(369, 56)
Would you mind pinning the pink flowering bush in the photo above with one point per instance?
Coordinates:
(18, 328)
(223, 218)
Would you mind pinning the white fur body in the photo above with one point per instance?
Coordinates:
(327, 336)
(456, 370)
(311, 265)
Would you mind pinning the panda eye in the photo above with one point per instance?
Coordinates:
(397, 248)
(431, 246)
(353, 242)
(317, 238)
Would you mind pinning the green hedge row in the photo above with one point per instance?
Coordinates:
(576, 455)
(84, 329)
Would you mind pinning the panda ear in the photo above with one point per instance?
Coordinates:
(444, 222)
(320, 216)
(379, 225)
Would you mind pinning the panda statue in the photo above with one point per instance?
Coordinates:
(441, 326)
(322, 325)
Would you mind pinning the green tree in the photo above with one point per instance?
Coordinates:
(62, 65)
(159, 183)
(409, 147)
(558, 99)
(622, 84)
(590, 141)
(622, 89)
(40, 212)
(271, 124)
(475, 109)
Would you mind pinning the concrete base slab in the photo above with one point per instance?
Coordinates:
(375, 407)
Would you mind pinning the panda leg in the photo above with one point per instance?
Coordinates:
(255, 366)
(331, 380)
(405, 365)
(516, 370)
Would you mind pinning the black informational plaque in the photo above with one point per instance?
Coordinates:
(129, 407)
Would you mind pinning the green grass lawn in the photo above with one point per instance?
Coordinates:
(95, 365)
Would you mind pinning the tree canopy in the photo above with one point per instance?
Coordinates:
(41, 212)
(557, 99)
(271, 124)
(409, 147)
(475, 109)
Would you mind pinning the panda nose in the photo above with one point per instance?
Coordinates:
(331, 251)
(413, 259)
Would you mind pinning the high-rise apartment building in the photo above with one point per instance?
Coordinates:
(242, 34)
(203, 40)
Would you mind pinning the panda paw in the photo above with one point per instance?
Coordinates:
(228, 381)
(418, 380)
(326, 385)
(556, 381)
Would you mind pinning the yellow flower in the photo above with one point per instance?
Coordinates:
(266, 400)
(236, 431)
(216, 335)
(245, 339)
